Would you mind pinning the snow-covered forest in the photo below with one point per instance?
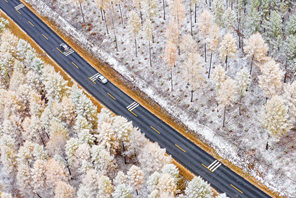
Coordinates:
(225, 69)
(54, 143)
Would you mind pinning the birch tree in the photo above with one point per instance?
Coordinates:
(274, 118)
(242, 83)
(204, 24)
(226, 95)
(227, 48)
(256, 49)
(271, 79)
(171, 57)
(134, 23)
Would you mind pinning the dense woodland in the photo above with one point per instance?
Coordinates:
(225, 69)
(54, 143)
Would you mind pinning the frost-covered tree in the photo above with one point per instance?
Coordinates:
(152, 181)
(172, 170)
(39, 153)
(87, 109)
(21, 49)
(172, 32)
(291, 25)
(105, 186)
(84, 192)
(90, 181)
(17, 79)
(8, 154)
(148, 30)
(136, 177)
(256, 49)
(102, 160)
(290, 49)
(242, 80)
(178, 10)
(289, 96)
(188, 45)
(226, 95)
(45, 120)
(108, 138)
(134, 23)
(36, 65)
(275, 118)
(218, 10)
(64, 190)
(34, 81)
(218, 77)
(70, 149)
(197, 187)
(166, 186)
(222, 196)
(85, 137)
(119, 179)
(24, 180)
(5, 195)
(6, 65)
(171, 57)
(122, 191)
(68, 110)
(38, 177)
(227, 48)
(154, 194)
(229, 18)
(81, 124)
(54, 171)
(204, 24)
(271, 79)
(149, 9)
(25, 154)
(36, 104)
(213, 42)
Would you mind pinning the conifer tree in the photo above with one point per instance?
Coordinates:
(188, 45)
(242, 83)
(24, 180)
(171, 57)
(119, 179)
(122, 191)
(172, 170)
(197, 187)
(64, 190)
(136, 177)
(205, 22)
(152, 181)
(291, 25)
(228, 48)
(105, 186)
(38, 177)
(166, 186)
(218, 77)
(229, 18)
(218, 10)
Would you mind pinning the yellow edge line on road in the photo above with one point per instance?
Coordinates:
(133, 113)
(75, 65)
(180, 148)
(154, 129)
(207, 167)
(31, 23)
(59, 50)
(111, 96)
(18, 11)
(45, 36)
(236, 188)
(6, 1)
(92, 80)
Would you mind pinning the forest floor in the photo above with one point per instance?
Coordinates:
(143, 99)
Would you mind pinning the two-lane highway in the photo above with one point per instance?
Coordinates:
(183, 150)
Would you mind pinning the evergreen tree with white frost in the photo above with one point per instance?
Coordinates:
(171, 57)
(85, 137)
(167, 186)
(256, 49)
(70, 149)
(226, 95)
(289, 96)
(87, 109)
(275, 118)
(8, 154)
(83, 192)
(136, 177)
(105, 186)
(227, 48)
(54, 171)
(172, 32)
(218, 77)
(39, 153)
(75, 94)
(38, 177)
(291, 25)
(122, 191)
(242, 80)
(172, 170)
(218, 10)
(24, 180)
(271, 79)
(204, 24)
(213, 42)
(229, 18)
(119, 179)
(90, 181)
(102, 160)
(64, 190)
(152, 181)
(197, 187)
(134, 24)
(290, 49)
(81, 124)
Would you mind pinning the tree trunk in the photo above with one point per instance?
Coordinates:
(205, 51)
(141, 17)
(285, 79)
(172, 79)
(190, 21)
(191, 95)
(239, 105)
(243, 46)
(163, 6)
(224, 116)
(106, 26)
(81, 12)
(114, 34)
(120, 13)
(210, 65)
(137, 192)
(266, 145)
(150, 55)
(136, 47)
(226, 63)
(251, 64)
(38, 195)
(102, 15)
(195, 13)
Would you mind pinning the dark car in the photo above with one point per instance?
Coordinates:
(64, 47)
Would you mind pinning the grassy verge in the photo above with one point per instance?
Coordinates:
(148, 103)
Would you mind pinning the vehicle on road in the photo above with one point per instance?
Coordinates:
(64, 47)
(102, 79)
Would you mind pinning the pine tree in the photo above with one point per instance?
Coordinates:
(289, 96)
(39, 153)
(87, 109)
(290, 49)
(228, 48)
(108, 138)
(218, 10)
(274, 118)
(172, 170)
(256, 49)
(226, 95)
(70, 149)
(90, 181)
(64, 190)
(149, 9)
(102, 160)
(8, 154)
(85, 137)
(197, 187)
(68, 111)
(291, 25)
(271, 79)
(229, 18)
(171, 57)
(16, 80)
(38, 177)
(152, 181)
(253, 22)
(21, 48)
(24, 180)
(105, 186)
(242, 83)
(136, 177)
(54, 171)
(213, 42)
(148, 30)
(172, 32)
(81, 124)
(135, 26)
(204, 23)
(122, 191)
(218, 77)
(166, 185)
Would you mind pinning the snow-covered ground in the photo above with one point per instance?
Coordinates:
(242, 141)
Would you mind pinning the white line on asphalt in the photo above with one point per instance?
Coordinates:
(19, 6)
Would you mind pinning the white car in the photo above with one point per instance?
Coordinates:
(64, 47)
(102, 79)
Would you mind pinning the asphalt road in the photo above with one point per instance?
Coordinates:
(183, 150)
